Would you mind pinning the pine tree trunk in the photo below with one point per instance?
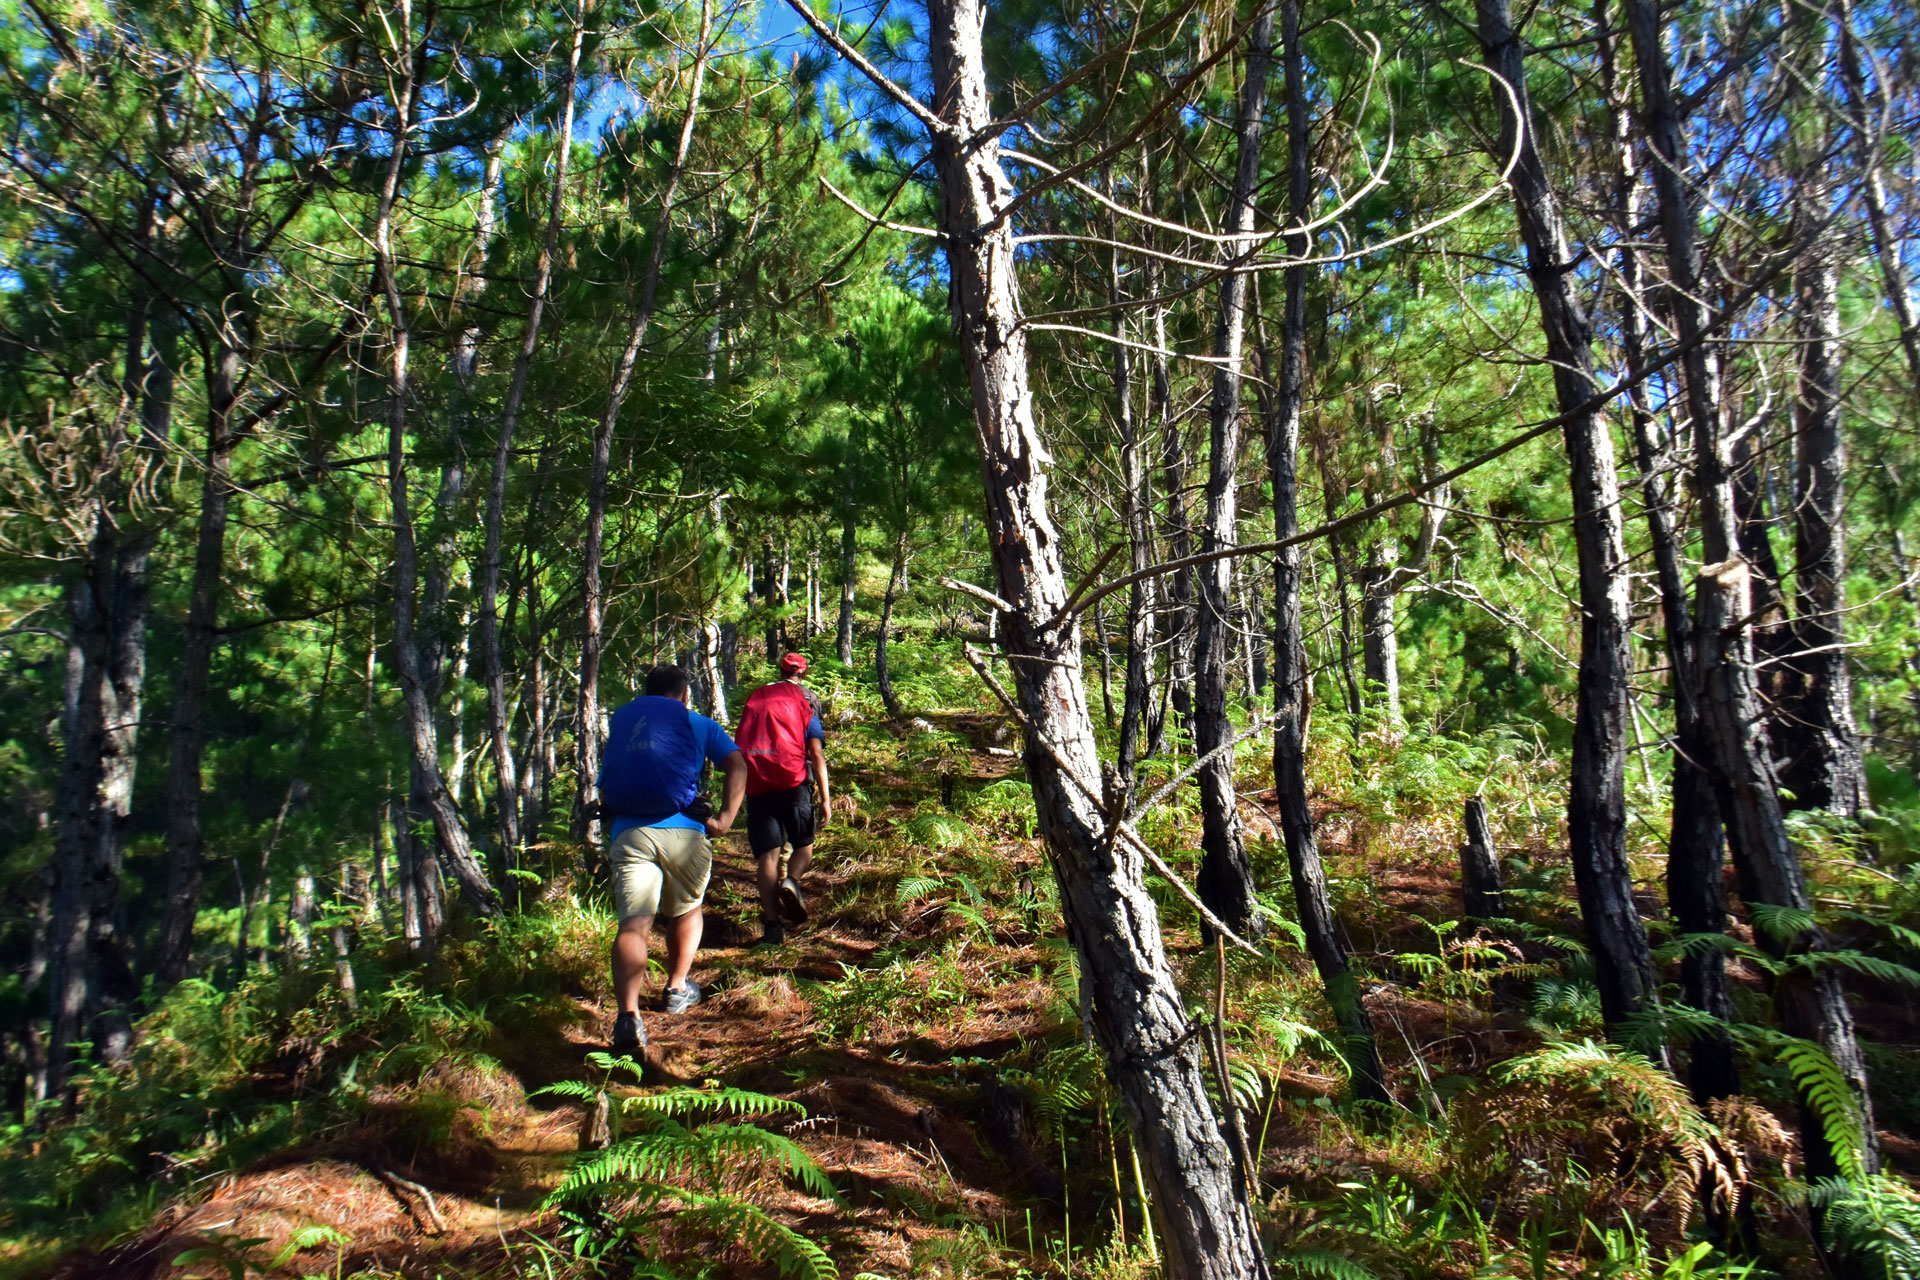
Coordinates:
(1137, 509)
(1696, 884)
(80, 951)
(882, 676)
(849, 548)
(185, 852)
(586, 748)
(1177, 618)
(1813, 1004)
(454, 848)
(1825, 770)
(300, 920)
(90, 980)
(711, 671)
(1379, 637)
(1596, 804)
(1292, 676)
(492, 659)
(1136, 1010)
(1225, 881)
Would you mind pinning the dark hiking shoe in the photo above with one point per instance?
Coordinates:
(680, 999)
(791, 903)
(629, 1035)
(772, 933)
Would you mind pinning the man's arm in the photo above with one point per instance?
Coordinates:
(819, 759)
(732, 794)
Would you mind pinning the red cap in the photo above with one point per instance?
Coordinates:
(794, 664)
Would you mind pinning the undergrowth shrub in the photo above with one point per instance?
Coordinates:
(219, 1079)
(885, 1001)
(1580, 1132)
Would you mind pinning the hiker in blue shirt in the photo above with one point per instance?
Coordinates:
(659, 829)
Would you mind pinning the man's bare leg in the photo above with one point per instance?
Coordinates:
(767, 876)
(630, 960)
(683, 941)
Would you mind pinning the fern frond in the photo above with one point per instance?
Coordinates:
(760, 1234)
(1322, 1264)
(566, 1089)
(665, 1161)
(1694, 945)
(914, 888)
(1781, 923)
(1656, 1025)
(1862, 963)
(739, 1143)
(1249, 1086)
(717, 1102)
(1873, 1221)
(1829, 1095)
(608, 1063)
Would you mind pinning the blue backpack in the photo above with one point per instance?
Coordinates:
(651, 768)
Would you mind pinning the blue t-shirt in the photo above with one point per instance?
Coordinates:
(631, 738)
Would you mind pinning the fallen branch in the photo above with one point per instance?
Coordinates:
(433, 1210)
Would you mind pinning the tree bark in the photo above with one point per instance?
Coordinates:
(454, 848)
(1480, 882)
(91, 985)
(1292, 675)
(849, 549)
(1696, 885)
(492, 658)
(1136, 1010)
(1824, 770)
(1225, 881)
(300, 920)
(1177, 618)
(586, 752)
(1596, 803)
(1137, 511)
(882, 676)
(185, 851)
(1379, 637)
(1813, 1002)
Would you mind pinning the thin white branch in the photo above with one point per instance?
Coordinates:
(876, 220)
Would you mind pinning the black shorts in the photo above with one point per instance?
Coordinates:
(780, 817)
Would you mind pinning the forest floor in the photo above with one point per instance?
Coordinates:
(893, 1018)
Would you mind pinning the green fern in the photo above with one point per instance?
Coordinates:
(1661, 1024)
(1860, 962)
(727, 1217)
(1873, 1222)
(720, 1102)
(567, 1089)
(698, 1167)
(1321, 1264)
(914, 888)
(1782, 924)
(1829, 1095)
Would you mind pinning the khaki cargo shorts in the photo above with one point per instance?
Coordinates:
(659, 871)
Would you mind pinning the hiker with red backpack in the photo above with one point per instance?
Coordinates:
(659, 830)
(781, 737)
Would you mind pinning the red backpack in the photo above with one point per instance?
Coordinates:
(773, 738)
